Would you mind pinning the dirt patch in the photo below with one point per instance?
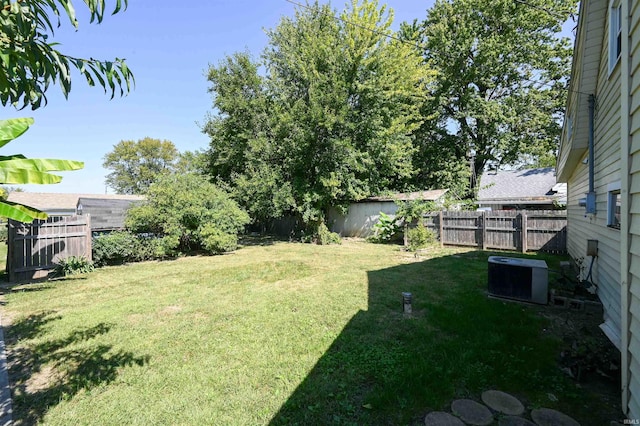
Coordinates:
(43, 379)
(586, 354)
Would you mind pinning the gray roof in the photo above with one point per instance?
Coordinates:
(532, 185)
(56, 202)
(431, 195)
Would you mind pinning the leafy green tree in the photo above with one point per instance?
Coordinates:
(16, 169)
(192, 162)
(189, 213)
(244, 152)
(502, 74)
(330, 122)
(136, 165)
(30, 62)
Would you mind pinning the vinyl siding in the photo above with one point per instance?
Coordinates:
(606, 267)
(634, 216)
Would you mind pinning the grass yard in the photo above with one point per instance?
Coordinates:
(278, 333)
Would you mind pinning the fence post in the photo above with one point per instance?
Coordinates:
(484, 230)
(88, 248)
(10, 249)
(441, 226)
(524, 231)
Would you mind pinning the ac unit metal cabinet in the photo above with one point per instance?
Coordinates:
(519, 279)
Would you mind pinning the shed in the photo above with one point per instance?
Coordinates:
(363, 214)
(109, 208)
(106, 214)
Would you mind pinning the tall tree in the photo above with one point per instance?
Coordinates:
(30, 62)
(502, 75)
(331, 121)
(136, 165)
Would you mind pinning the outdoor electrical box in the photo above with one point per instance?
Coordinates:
(591, 203)
(592, 248)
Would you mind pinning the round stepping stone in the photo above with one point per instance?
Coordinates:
(502, 402)
(440, 418)
(515, 421)
(471, 412)
(549, 417)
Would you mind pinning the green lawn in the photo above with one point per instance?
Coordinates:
(278, 333)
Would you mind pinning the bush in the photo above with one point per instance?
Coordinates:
(151, 248)
(420, 237)
(73, 265)
(216, 241)
(318, 233)
(114, 248)
(325, 237)
(385, 229)
(120, 247)
(190, 213)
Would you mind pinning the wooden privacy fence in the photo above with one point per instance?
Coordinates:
(525, 230)
(33, 248)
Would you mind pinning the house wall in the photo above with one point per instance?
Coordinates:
(606, 267)
(634, 216)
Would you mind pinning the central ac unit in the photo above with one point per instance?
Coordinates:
(519, 279)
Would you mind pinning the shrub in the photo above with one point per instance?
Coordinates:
(325, 237)
(318, 233)
(183, 209)
(114, 248)
(216, 241)
(152, 247)
(385, 229)
(420, 237)
(119, 247)
(73, 265)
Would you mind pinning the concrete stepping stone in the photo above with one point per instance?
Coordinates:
(471, 412)
(502, 402)
(515, 421)
(549, 417)
(440, 418)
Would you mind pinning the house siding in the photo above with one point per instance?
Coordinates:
(606, 267)
(634, 215)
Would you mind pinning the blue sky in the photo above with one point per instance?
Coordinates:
(169, 46)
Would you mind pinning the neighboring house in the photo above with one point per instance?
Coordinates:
(107, 210)
(362, 215)
(532, 189)
(599, 158)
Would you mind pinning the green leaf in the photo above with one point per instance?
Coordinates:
(11, 157)
(12, 128)
(20, 212)
(24, 176)
(41, 164)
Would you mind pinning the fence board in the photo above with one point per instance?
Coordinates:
(544, 230)
(33, 248)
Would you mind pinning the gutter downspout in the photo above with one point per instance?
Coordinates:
(591, 195)
(625, 207)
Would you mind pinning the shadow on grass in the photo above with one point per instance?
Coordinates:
(47, 372)
(259, 240)
(389, 368)
(29, 287)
